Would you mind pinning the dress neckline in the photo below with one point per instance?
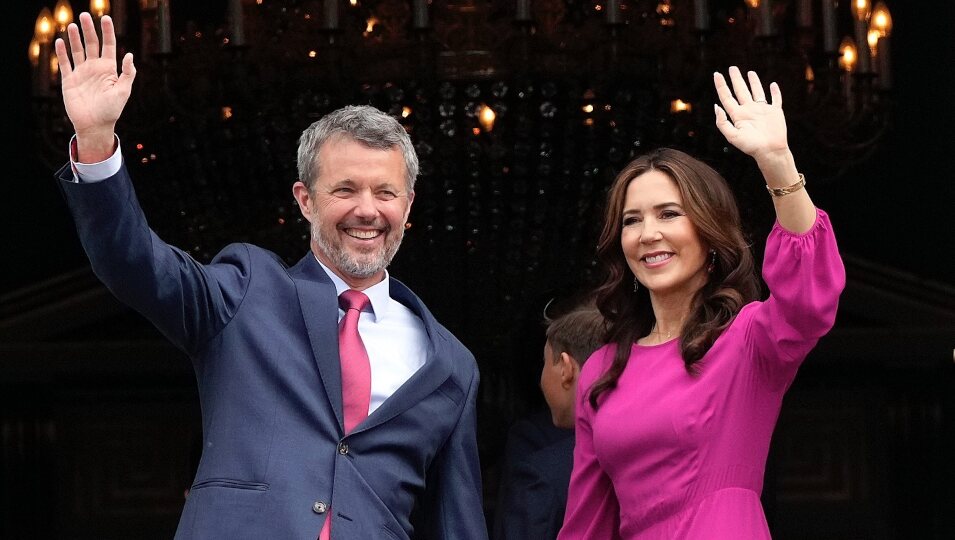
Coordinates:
(657, 345)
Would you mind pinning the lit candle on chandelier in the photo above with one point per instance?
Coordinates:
(881, 22)
(860, 11)
(63, 14)
(43, 33)
(486, 117)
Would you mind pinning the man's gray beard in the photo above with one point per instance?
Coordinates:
(349, 265)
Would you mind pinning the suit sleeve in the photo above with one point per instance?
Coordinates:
(453, 507)
(187, 301)
(593, 511)
(529, 506)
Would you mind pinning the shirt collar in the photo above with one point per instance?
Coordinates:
(379, 294)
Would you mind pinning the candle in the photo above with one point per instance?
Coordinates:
(829, 26)
(701, 15)
(804, 13)
(885, 67)
(331, 15)
(43, 69)
(765, 26)
(237, 23)
(613, 11)
(848, 85)
(523, 10)
(862, 44)
(119, 17)
(486, 117)
(419, 19)
(165, 32)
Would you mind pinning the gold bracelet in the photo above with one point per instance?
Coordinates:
(779, 192)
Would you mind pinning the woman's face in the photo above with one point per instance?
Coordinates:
(658, 240)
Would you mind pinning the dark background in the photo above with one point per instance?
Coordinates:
(894, 409)
(896, 209)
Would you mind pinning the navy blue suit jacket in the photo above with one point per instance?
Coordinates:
(533, 492)
(263, 341)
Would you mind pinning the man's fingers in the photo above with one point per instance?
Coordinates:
(109, 38)
(76, 45)
(128, 73)
(89, 35)
(63, 58)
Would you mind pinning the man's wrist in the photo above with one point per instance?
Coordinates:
(94, 148)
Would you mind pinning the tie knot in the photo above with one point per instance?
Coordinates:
(352, 299)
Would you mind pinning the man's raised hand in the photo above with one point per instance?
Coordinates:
(94, 92)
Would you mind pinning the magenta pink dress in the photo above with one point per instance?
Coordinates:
(670, 455)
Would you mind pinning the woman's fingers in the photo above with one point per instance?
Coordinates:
(739, 86)
(723, 123)
(724, 93)
(756, 87)
(777, 95)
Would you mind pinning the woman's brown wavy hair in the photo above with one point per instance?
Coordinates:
(711, 208)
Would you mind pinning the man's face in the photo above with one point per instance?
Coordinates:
(357, 207)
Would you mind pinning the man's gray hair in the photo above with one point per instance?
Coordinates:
(361, 123)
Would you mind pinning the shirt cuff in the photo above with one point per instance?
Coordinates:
(88, 173)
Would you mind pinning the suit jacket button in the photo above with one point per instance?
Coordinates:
(343, 449)
(319, 507)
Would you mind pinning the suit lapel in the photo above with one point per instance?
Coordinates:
(434, 372)
(319, 303)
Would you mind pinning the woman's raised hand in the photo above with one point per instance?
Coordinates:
(748, 121)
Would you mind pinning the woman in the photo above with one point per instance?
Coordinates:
(675, 414)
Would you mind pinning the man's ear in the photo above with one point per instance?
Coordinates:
(410, 201)
(569, 370)
(304, 199)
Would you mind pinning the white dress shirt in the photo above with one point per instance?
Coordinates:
(394, 337)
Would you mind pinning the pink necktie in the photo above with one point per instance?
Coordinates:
(356, 371)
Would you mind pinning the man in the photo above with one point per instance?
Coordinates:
(312, 428)
(540, 448)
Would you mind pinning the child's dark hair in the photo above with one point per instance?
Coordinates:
(579, 332)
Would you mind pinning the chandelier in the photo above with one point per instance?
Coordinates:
(521, 112)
